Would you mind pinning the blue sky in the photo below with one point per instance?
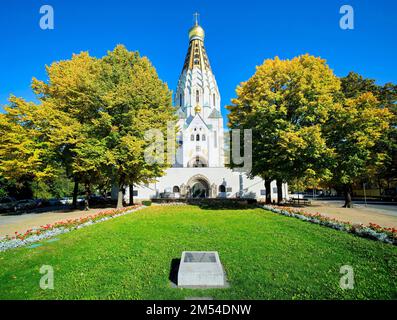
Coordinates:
(239, 36)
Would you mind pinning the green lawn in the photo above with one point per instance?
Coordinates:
(266, 256)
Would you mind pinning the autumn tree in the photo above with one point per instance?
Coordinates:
(110, 103)
(359, 132)
(90, 121)
(285, 103)
(25, 153)
(136, 101)
(73, 105)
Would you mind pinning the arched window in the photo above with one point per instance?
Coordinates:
(197, 96)
(222, 188)
(175, 189)
(192, 137)
(203, 137)
(213, 98)
(197, 137)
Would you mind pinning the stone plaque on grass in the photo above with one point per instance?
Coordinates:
(201, 269)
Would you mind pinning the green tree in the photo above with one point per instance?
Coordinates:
(25, 153)
(72, 99)
(100, 110)
(285, 103)
(136, 101)
(362, 132)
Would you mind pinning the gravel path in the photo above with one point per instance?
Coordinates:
(11, 223)
(385, 217)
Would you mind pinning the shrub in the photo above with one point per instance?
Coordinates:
(147, 203)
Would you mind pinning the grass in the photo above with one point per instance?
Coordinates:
(266, 256)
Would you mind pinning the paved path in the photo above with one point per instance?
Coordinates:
(11, 223)
(384, 215)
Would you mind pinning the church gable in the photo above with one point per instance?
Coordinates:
(197, 120)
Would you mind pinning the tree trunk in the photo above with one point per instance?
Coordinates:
(120, 197)
(75, 193)
(279, 184)
(131, 195)
(348, 196)
(268, 191)
(87, 197)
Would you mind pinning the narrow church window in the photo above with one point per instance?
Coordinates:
(198, 137)
(197, 96)
(203, 137)
(213, 98)
(180, 99)
(192, 137)
(215, 140)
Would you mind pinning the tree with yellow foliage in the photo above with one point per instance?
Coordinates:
(91, 120)
(306, 127)
(25, 153)
(286, 103)
(353, 131)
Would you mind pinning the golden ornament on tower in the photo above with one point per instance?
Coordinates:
(197, 109)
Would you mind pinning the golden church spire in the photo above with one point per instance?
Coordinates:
(196, 32)
(196, 56)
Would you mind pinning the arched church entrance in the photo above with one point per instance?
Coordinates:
(199, 187)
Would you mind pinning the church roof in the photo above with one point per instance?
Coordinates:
(215, 114)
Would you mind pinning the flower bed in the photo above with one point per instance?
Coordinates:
(372, 231)
(50, 230)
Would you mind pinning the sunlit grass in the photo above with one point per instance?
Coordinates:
(266, 256)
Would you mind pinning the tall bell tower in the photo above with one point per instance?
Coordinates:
(198, 102)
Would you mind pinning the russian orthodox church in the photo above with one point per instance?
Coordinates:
(199, 169)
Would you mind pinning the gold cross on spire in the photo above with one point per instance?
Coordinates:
(196, 18)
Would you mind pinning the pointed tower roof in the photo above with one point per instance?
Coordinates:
(196, 56)
(215, 114)
(181, 114)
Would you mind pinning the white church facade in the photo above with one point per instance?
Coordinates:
(200, 169)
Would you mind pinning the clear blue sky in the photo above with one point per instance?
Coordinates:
(240, 35)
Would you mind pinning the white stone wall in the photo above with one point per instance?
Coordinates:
(250, 188)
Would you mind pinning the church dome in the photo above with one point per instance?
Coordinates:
(196, 32)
